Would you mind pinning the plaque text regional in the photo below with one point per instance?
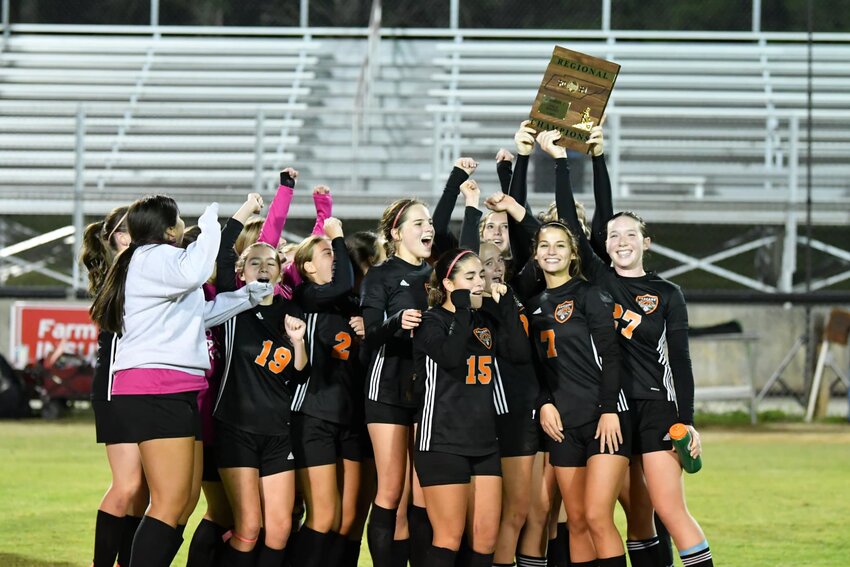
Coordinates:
(573, 96)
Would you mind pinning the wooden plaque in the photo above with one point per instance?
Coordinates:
(573, 96)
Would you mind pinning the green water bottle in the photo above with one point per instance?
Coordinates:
(681, 437)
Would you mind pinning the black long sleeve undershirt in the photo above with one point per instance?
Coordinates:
(443, 238)
(604, 209)
(378, 329)
(313, 297)
(607, 345)
(565, 202)
(683, 375)
(470, 237)
(225, 260)
(448, 350)
(520, 237)
(504, 171)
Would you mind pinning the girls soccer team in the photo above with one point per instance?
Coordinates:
(449, 388)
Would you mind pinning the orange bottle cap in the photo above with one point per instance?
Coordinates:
(678, 431)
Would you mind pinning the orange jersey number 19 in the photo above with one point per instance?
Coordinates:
(281, 358)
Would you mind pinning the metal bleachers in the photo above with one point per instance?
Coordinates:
(710, 119)
(715, 123)
(160, 113)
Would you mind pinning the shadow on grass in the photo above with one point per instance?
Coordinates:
(13, 560)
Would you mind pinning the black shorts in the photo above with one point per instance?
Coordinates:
(356, 443)
(270, 454)
(579, 445)
(379, 412)
(142, 417)
(651, 421)
(108, 427)
(315, 442)
(519, 433)
(436, 469)
(210, 473)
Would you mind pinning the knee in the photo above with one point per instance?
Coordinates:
(484, 536)
(577, 523)
(277, 531)
(389, 494)
(248, 528)
(322, 519)
(516, 510)
(447, 540)
(598, 519)
(349, 516)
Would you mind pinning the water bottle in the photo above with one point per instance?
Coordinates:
(681, 437)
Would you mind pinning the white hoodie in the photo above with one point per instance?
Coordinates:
(165, 314)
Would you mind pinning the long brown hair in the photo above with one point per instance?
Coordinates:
(147, 220)
(447, 265)
(99, 247)
(575, 264)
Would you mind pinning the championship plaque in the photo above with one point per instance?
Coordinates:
(573, 96)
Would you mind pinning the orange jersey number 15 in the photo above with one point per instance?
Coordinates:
(479, 370)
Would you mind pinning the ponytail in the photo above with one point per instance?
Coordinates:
(107, 309)
(95, 255)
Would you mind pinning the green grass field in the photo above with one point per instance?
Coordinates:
(774, 495)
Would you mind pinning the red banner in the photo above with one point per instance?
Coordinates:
(38, 329)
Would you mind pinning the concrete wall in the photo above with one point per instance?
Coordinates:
(714, 362)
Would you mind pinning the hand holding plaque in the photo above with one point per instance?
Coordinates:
(573, 96)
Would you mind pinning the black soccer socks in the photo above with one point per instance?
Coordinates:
(131, 524)
(155, 545)
(206, 544)
(108, 531)
(269, 557)
(379, 535)
(421, 534)
(645, 552)
(440, 557)
(697, 556)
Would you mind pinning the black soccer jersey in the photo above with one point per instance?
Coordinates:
(520, 381)
(456, 353)
(259, 370)
(573, 331)
(335, 368)
(101, 383)
(647, 309)
(387, 290)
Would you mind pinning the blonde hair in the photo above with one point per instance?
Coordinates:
(551, 215)
(243, 257)
(249, 235)
(304, 253)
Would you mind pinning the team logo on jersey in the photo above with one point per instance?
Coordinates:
(483, 335)
(648, 303)
(564, 311)
(403, 283)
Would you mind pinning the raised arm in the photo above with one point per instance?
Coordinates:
(604, 209)
(279, 209)
(290, 279)
(195, 264)
(316, 296)
(225, 261)
(504, 169)
(443, 238)
(591, 264)
(470, 237)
